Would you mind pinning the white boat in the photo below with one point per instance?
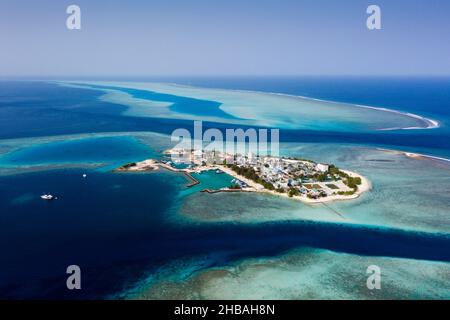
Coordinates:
(48, 197)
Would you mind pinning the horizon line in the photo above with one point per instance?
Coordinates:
(80, 77)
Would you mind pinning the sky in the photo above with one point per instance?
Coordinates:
(224, 37)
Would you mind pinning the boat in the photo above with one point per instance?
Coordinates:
(48, 197)
(218, 171)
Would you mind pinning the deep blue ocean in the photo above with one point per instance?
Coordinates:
(69, 110)
(119, 227)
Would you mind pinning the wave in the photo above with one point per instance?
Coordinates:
(416, 155)
(430, 123)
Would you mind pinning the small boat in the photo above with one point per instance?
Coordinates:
(48, 197)
(218, 171)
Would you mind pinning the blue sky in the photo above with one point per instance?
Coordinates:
(224, 37)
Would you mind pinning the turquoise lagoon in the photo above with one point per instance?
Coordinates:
(407, 193)
(251, 108)
(403, 188)
(88, 150)
(134, 232)
(305, 273)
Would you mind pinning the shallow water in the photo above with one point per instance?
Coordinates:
(252, 108)
(118, 227)
(308, 274)
(123, 229)
(88, 150)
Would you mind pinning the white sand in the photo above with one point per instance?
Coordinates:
(364, 187)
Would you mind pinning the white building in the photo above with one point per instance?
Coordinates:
(322, 167)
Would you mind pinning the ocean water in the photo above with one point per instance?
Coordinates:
(308, 273)
(422, 95)
(176, 103)
(30, 109)
(40, 109)
(426, 96)
(252, 108)
(112, 150)
(119, 228)
(105, 223)
(406, 193)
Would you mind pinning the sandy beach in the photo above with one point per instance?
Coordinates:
(146, 165)
(152, 165)
(363, 187)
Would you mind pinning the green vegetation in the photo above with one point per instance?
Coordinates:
(332, 169)
(293, 192)
(280, 190)
(129, 165)
(312, 186)
(321, 177)
(266, 184)
(250, 174)
(346, 193)
(351, 182)
(334, 172)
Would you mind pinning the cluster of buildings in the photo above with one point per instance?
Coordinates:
(290, 175)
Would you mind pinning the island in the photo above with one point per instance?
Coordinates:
(295, 178)
(146, 165)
